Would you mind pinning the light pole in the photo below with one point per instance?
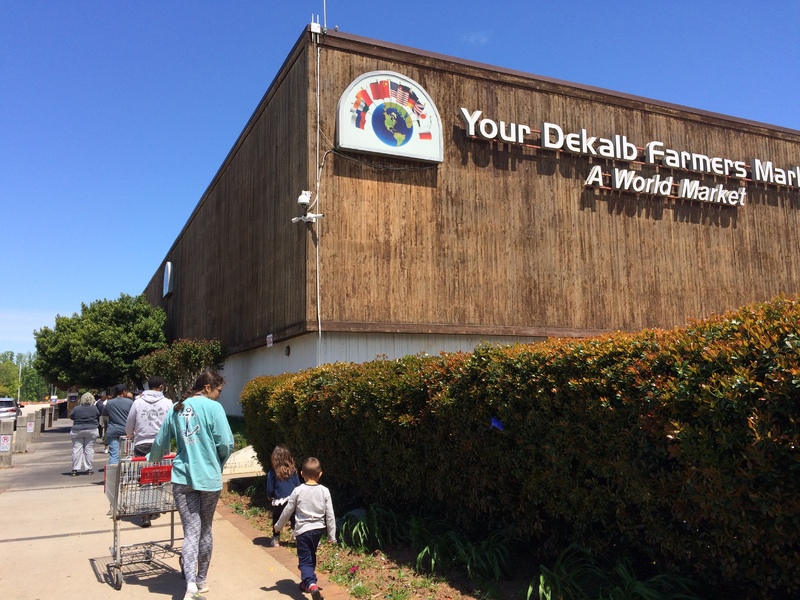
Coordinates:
(19, 379)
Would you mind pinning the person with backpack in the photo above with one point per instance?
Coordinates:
(147, 413)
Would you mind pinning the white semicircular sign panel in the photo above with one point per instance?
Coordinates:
(386, 113)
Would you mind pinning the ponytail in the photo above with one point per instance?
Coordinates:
(206, 378)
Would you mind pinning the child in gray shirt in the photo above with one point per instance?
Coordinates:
(312, 507)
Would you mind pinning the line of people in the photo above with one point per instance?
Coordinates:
(204, 440)
(97, 416)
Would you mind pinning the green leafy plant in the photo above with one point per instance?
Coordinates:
(371, 529)
(442, 551)
(360, 590)
(332, 563)
(395, 593)
(490, 557)
(256, 488)
(577, 575)
(439, 546)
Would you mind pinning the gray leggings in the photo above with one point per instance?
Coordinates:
(197, 513)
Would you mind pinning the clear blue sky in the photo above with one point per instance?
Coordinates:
(115, 116)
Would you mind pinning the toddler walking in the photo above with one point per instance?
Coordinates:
(281, 480)
(312, 507)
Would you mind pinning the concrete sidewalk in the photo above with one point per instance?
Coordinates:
(56, 534)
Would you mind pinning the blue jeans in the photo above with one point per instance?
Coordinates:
(307, 555)
(113, 449)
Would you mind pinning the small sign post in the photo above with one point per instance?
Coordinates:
(6, 435)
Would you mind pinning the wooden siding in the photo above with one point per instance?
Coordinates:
(502, 236)
(239, 263)
(498, 240)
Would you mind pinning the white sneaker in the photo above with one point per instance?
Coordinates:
(202, 587)
(193, 593)
(105, 451)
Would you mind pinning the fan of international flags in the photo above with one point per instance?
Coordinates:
(386, 113)
(383, 90)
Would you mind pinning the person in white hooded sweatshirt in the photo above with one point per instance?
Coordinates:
(144, 420)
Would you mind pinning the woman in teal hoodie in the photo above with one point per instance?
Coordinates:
(205, 442)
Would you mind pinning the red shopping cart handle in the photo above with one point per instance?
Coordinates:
(143, 458)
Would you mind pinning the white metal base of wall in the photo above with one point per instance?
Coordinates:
(338, 347)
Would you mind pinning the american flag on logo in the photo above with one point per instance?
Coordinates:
(399, 92)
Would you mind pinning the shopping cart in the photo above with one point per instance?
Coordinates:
(137, 487)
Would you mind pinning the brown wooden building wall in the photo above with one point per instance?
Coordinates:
(497, 240)
(239, 270)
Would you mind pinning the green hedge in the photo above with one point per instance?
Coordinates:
(681, 446)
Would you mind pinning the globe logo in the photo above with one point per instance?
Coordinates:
(386, 113)
(392, 124)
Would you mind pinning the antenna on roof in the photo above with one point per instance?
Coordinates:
(315, 18)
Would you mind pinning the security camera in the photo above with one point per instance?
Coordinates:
(304, 199)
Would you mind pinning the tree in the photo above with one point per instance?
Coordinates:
(33, 387)
(181, 362)
(9, 379)
(98, 348)
(19, 379)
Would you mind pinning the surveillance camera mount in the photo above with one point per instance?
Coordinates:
(308, 218)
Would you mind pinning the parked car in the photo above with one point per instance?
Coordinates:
(9, 408)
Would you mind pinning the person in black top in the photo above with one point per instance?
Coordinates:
(117, 410)
(100, 403)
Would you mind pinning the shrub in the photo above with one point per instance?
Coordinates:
(180, 362)
(678, 446)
